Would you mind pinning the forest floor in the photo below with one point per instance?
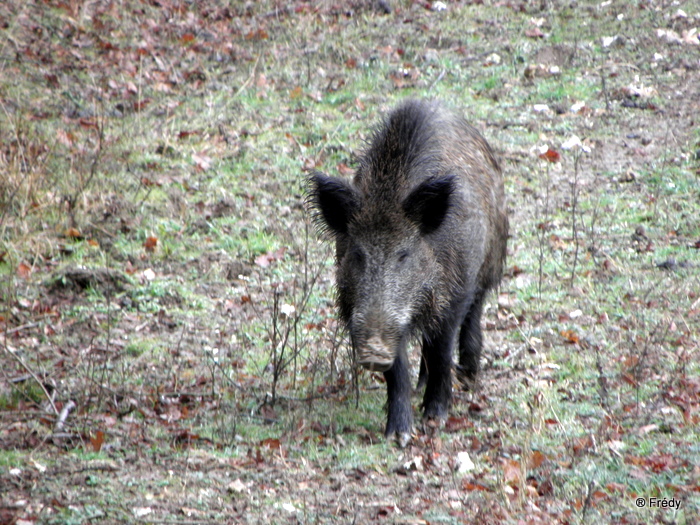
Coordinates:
(169, 350)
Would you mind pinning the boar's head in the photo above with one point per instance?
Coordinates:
(387, 265)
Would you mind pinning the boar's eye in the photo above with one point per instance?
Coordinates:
(357, 257)
(403, 255)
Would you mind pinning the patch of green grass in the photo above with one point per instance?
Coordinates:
(74, 516)
(140, 347)
(24, 392)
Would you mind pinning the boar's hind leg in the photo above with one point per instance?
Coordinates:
(399, 416)
(470, 342)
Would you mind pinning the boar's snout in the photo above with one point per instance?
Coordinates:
(375, 355)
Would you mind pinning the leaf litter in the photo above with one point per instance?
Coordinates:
(175, 411)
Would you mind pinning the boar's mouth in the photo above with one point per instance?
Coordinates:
(375, 355)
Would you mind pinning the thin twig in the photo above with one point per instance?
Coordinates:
(67, 408)
(587, 502)
(20, 328)
(249, 79)
(34, 376)
(438, 79)
(173, 522)
(574, 225)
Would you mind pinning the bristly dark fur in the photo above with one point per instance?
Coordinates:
(405, 141)
(420, 238)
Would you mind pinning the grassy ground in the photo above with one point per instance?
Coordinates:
(168, 340)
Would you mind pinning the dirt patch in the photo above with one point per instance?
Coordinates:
(77, 279)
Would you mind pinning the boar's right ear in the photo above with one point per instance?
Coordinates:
(334, 201)
(428, 204)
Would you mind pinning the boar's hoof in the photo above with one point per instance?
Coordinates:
(431, 424)
(401, 438)
(375, 356)
(465, 378)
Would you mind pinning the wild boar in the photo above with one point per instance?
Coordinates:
(420, 236)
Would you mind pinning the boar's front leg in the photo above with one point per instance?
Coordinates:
(399, 411)
(437, 370)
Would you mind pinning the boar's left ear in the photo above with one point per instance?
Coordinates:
(428, 204)
(334, 201)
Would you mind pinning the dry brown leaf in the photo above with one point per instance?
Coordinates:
(536, 459)
(24, 270)
(150, 244)
(550, 155)
(97, 441)
(512, 474)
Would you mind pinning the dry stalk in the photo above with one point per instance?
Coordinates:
(24, 365)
